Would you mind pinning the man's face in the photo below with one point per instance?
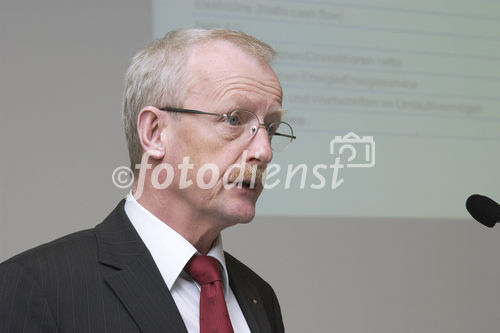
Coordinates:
(220, 79)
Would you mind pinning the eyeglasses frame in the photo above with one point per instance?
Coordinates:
(226, 115)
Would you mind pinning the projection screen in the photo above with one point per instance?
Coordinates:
(410, 87)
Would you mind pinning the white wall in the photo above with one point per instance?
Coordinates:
(63, 67)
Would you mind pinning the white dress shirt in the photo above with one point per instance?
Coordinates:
(171, 252)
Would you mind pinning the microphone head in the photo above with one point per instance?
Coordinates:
(483, 210)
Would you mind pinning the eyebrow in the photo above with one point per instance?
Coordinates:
(245, 102)
(281, 111)
(275, 114)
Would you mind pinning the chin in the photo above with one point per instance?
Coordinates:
(237, 206)
(241, 213)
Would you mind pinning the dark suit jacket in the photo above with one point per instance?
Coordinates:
(105, 280)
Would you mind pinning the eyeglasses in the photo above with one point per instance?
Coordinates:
(244, 123)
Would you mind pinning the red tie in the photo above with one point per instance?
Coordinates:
(213, 311)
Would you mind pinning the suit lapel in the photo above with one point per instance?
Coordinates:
(136, 280)
(146, 297)
(249, 301)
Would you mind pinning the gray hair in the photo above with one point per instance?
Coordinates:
(156, 74)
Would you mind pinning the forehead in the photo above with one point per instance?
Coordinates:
(219, 70)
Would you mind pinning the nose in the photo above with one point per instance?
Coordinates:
(259, 150)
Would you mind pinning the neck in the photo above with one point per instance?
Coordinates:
(197, 229)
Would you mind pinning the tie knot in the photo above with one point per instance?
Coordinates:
(203, 269)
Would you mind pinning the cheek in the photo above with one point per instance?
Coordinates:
(208, 176)
(195, 141)
(206, 152)
(209, 153)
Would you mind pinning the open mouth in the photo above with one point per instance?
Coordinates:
(244, 184)
(248, 184)
(248, 179)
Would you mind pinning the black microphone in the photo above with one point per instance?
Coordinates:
(483, 209)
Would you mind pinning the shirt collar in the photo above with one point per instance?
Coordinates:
(169, 249)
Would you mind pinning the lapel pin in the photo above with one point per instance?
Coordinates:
(254, 301)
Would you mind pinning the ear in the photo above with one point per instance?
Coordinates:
(149, 131)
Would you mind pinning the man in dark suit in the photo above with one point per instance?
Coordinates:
(202, 114)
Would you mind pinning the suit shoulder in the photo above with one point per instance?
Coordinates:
(74, 245)
(69, 245)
